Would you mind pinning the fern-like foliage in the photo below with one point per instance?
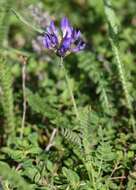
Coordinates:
(41, 106)
(7, 96)
(72, 177)
(96, 151)
(86, 140)
(72, 137)
(13, 178)
(89, 65)
(113, 37)
(5, 6)
(5, 78)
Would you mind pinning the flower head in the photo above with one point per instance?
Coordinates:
(69, 41)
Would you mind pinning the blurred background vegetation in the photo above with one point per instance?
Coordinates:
(99, 153)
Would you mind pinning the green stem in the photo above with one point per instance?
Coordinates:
(90, 171)
(7, 96)
(22, 19)
(5, 73)
(69, 88)
(88, 160)
(113, 31)
(124, 83)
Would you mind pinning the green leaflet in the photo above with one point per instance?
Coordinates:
(13, 177)
(111, 17)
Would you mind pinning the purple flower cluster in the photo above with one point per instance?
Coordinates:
(69, 41)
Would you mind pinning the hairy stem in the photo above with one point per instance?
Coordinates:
(50, 144)
(24, 96)
(90, 171)
(88, 160)
(5, 75)
(70, 88)
(7, 96)
(22, 19)
(124, 83)
(113, 30)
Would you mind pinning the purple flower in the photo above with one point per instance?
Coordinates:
(66, 27)
(51, 38)
(69, 41)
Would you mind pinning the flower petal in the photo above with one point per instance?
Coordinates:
(76, 34)
(52, 29)
(71, 40)
(50, 41)
(65, 46)
(54, 40)
(66, 27)
(47, 42)
(80, 46)
(66, 43)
